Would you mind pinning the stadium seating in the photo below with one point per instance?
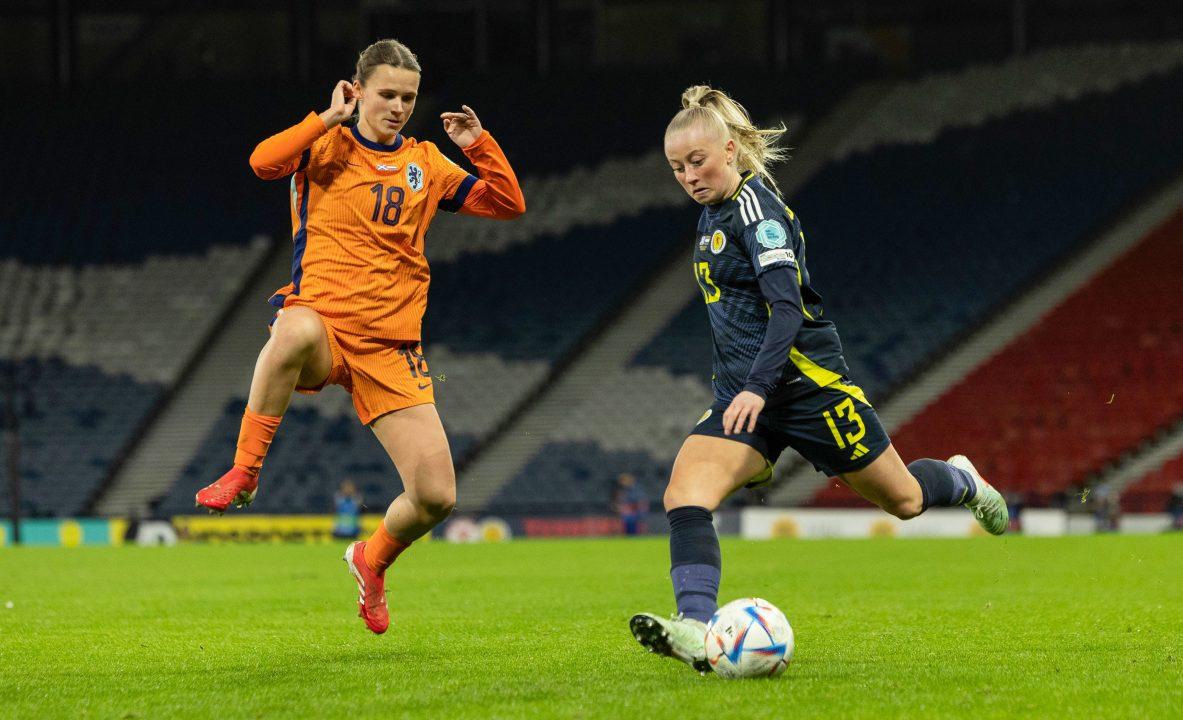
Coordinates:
(575, 478)
(114, 263)
(144, 318)
(73, 422)
(1088, 383)
(534, 301)
(917, 112)
(93, 349)
(1153, 490)
(638, 419)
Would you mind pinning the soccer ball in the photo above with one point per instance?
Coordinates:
(749, 638)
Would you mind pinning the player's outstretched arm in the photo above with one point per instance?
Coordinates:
(497, 193)
(279, 155)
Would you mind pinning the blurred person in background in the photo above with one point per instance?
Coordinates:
(1175, 506)
(1014, 510)
(1106, 508)
(347, 504)
(631, 503)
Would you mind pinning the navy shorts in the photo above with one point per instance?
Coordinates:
(833, 427)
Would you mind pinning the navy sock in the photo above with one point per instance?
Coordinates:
(942, 484)
(695, 562)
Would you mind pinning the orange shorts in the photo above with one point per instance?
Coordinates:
(381, 375)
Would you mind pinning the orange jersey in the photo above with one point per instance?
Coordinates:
(360, 210)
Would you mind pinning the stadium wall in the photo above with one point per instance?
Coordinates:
(748, 523)
(767, 523)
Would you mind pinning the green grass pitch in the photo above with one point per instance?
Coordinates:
(976, 628)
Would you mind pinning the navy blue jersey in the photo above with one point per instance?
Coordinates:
(750, 264)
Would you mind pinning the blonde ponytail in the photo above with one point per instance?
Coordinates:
(756, 148)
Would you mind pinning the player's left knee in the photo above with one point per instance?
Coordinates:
(677, 496)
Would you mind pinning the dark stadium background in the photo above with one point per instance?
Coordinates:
(990, 191)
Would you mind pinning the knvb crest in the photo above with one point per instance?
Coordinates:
(414, 177)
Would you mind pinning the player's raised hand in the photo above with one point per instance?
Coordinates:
(463, 127)
(342, 104)
(741, 414)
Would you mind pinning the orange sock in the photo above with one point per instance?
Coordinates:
(254, 438)
(382, 548)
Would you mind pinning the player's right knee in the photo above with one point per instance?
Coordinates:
(297, 335)
(905, 507)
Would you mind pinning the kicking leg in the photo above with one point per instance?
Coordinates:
(907, 491)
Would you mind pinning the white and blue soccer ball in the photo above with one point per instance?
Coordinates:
(749, 638)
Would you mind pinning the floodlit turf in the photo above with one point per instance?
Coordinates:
(976, 628)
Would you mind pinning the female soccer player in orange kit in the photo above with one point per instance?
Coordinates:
(362, 198)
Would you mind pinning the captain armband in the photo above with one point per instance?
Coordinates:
(768, 257)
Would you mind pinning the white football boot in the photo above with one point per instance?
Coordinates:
(678, 637)
(988, 506)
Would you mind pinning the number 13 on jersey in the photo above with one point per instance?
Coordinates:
(845, 409)
(710, 291)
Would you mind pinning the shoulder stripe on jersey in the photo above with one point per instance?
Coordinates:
(745, 209)
(756, 207)
(749, 206)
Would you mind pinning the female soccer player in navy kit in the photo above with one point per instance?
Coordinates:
(779, 376)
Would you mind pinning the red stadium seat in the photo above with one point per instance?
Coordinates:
(1089, 382)
(1151, 492)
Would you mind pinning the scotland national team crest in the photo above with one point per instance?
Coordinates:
(718, 242)
(771, 234)
(414, 177)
